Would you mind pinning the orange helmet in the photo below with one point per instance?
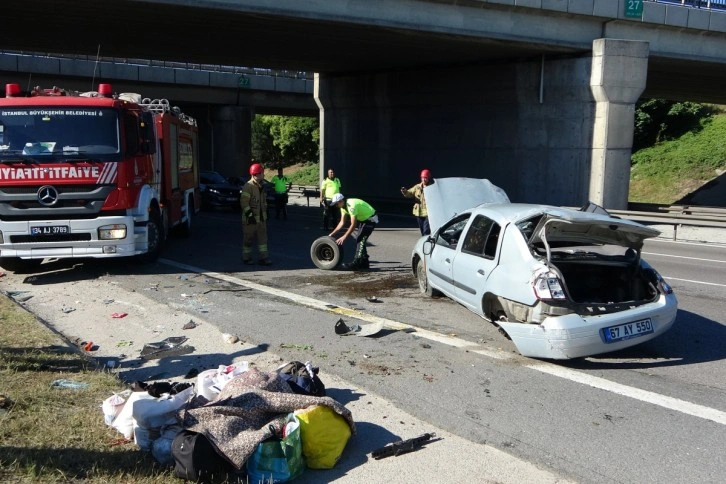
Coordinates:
(425, 173)
(255, 169)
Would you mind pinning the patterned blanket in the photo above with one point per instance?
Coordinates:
(241, 416)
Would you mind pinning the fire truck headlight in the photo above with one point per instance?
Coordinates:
(112, 232)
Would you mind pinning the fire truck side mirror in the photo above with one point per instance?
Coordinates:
(148, 136)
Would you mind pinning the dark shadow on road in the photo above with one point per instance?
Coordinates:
(175, 367)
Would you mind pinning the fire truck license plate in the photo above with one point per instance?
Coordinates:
(49, 230)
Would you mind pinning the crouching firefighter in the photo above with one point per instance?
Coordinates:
(254, 217)
(363, 220)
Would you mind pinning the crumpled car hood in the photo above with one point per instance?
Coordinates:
(565, 225)
(447, 197)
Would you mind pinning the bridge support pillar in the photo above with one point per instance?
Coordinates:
(618, 76)
(231, 128)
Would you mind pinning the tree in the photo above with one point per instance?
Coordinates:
(280, 141)
(660, 120)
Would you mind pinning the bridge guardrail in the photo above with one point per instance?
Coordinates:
(307, 191)
(675, 215)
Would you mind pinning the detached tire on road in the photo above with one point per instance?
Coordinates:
(325, 253)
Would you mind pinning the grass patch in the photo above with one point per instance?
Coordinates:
(53, 434)
(666, 172)
(307, 174)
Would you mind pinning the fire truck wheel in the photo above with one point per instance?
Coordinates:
(154, 236)
(185, 228)
(325, 253)
(16, 264)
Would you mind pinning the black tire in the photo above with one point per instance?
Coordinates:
(325, 253)
(185, 228)
(423, 281)
(155, 237)
(16, 264)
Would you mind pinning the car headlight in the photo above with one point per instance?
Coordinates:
(112, 232)
(215, 191)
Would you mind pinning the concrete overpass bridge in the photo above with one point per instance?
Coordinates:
(537, 95)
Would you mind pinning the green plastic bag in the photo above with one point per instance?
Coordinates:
(278, 459)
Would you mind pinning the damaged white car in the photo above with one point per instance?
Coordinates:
(561, 283)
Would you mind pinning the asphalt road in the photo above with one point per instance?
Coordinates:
(653, 413)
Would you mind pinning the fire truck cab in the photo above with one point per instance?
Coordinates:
(93, 175)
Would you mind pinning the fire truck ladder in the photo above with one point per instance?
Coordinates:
(163, 106)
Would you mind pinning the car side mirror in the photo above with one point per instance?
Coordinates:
(428, 246)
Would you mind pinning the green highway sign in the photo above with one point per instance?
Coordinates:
(634, 8)
(243, 81)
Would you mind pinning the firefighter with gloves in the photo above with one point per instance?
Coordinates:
(254, 217)
(363, 221)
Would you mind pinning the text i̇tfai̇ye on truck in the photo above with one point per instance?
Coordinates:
(92, 175)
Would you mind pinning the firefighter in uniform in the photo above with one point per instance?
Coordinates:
(254, 217)
(363, 221)
(329, 187)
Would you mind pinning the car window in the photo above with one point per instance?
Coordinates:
(527, 226)
(490, 250)
(450, 233)
(482, 237)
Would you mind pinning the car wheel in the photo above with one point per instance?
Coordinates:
(423, 281)
(325, 253)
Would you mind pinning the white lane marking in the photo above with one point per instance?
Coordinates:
(668, 278)
(685, 257)
(671, 403)
(549, 368)
(323, 306)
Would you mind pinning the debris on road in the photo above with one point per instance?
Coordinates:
(402, 446)
(190, 325)
(71, 384)
(230, 338)
(19, 296)
(119, 315)
(171, 346)
(343, 329)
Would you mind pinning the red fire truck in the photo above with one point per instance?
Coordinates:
(92, 175)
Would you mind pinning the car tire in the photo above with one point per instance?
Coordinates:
(325, 253)
(423, 281)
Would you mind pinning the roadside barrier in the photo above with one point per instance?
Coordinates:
(675, 215)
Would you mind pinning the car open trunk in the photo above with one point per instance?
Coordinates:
(601, 286)
(599, 259)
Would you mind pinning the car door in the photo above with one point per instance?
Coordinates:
(475, 260)
(439, 265)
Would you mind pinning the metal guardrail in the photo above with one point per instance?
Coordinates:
(256, 71)
(706, 4)
(307, 191)
(675, 215)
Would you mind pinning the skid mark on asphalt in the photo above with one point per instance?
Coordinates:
(664, 401)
